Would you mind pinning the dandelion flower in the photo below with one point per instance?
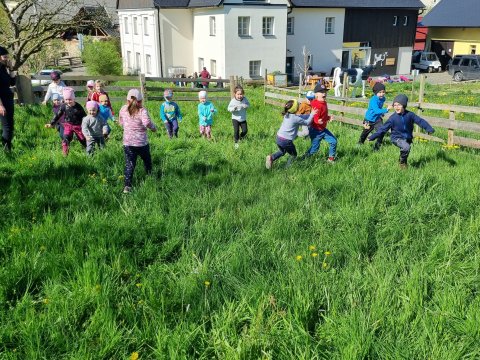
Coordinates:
(314, 254)
(324, 265)
(298, 257)
(207, 283)
(139, 285)
(104, 180)
(45, 301)
(134, 356)
(327, 253)
(312, 248)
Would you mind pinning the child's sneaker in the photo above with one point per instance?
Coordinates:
(127, 190)
(268, 162)
(331, 159)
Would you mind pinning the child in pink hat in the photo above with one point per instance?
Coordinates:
(74, 114)
(170, 114)
(94, 127)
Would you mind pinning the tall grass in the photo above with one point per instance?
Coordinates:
(215, 257)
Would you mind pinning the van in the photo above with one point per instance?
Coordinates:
(426, 61)
(465, 67)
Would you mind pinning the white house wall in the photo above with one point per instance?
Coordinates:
(206, 46)
(270, 50)
(139, 43)
(309, 31)
(176, 36)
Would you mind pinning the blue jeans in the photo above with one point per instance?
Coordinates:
(404, 146)
(316, 136)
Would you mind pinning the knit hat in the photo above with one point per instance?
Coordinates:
(102, 97)
(202, 94)
(3, 51)
(54, 75)
(293, 109)
(401, 99)
(378, 87)
(168, 94)
(90, 83)
(68, 93)
(320, 88)
(92, 105)
(56, 96)
(310, 95)
(134, 93)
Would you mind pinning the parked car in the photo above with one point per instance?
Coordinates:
(45, 72)
(427, 61)
(464, 67)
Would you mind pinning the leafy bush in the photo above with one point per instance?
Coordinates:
(102, 57)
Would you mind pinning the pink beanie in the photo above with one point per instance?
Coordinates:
(68, 93)
(92, 105)
(90, 83)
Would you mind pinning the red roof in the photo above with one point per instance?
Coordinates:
(420, 36)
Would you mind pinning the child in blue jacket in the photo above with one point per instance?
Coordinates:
(374, 115)
(205, 115)
(170, 114)
(401, 124)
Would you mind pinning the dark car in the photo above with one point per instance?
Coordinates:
(465, 67)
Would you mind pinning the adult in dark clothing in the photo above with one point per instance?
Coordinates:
(7, 79)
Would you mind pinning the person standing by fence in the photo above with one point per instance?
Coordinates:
(204, 74)
(7, 79)
(135, 121)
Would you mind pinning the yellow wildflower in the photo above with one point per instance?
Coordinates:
(134, 356)
(327, 253)
(312, 248)
(324, 265)
(45, 301)
(314, 254)
(104, 180)
(139, 285)
(298, 257)
(207, 283)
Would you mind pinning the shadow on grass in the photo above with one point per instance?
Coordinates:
(440, 155)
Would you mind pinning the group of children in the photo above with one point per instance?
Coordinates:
(91, 127)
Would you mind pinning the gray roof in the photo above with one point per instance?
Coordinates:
(204, 3)
(390, 4)
(454, 13)
(171, 3)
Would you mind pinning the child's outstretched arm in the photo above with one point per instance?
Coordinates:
(246, 103)
(382, 130)
(423, 124)
(162, 114)
(57, 117)
(146, 121)
(178, 113)
(231, 106)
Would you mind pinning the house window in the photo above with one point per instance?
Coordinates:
(125, 24)
(395, 20)
(290, 25)
(145, 26)
(213, 67)
(213, 26)
(129, 59)
(254, 68)
(201, 64)
(244, 26)
(329, 25)
(138, 62)
(405, 20)
(148, 64)
(135, 25)
(267, 26)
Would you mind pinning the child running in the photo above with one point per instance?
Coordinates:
(288, 132)
(94, 128)
(99, 91)
(170, 114)
(90, 89)
(401, 124)
(57, 103)
(74, 114)
(105, 112)
(318, 128)
(134, 119)
(206, 110)
(374, 115)
(238, 107)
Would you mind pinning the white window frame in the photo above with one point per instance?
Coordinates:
(138, 62)
(129, 59)
(290, 25)
(213, 67)
(201, 63)
(125, 24)
(213, 26)
(405, 20)
(268, 24)
(135, 25)
(148, 63)
(255, 68)
(329, 25)
(145, 26)
(243, 26)
(395, 20)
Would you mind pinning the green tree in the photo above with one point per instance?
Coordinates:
(102, 57)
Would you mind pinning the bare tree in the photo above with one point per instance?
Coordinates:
(30, 26)
(304, 67)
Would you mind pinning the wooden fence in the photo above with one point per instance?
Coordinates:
(221, 91)
(277, 96)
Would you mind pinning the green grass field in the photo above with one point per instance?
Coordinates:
(214, 257)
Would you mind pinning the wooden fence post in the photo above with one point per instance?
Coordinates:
(421, 93)
(232, 86)
(345, 85)
(24, 90)
(300, 82)
(450, 133)
(141, 79)
(265, 87)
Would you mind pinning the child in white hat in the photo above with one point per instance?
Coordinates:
(206, 110)
(170, 114)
